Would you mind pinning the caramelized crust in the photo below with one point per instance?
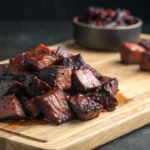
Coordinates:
(84, 107)
(57, 76)
(74, 62)
(17, 60)
(39, 58)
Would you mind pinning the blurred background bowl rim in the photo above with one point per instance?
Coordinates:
(138, 24)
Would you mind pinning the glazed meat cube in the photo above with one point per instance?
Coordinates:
(145, 44)
(104, 96)
(8, 87)
(94, 71)
(10, 108)
(2, 67)
(145, 62)
(63, 53)
(131, 53)
(84, 107)
(57, 76)
(31, 84)
(54, 106)
(16, 72)
(32, 108)
(75, 62)
(35, 86)
(84, 80)
(113, 83)
(39, 58)
(17, 60)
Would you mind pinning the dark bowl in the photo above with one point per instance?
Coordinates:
(104, 38)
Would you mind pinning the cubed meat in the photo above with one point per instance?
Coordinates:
(131, 53)
(9, 87)
(84, 80)
(75, 62)
(17, 60)
(31, 84)
(2, 67)
(10, 108)
(113, 83)
(16, 72)
(62, 52)
(94, 71)
(39, 58)
(35, 86)
(145, 43)
(84, 107)
(104, 96)
(57, 76)
(145, 62)
(31, 108)
(54, 106)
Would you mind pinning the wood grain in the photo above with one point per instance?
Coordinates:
(90, 134)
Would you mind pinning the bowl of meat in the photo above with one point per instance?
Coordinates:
(106, 29)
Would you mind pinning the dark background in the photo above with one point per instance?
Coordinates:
(47, 10)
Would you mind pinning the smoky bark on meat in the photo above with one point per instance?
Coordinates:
(74, 62)
(39, 58)
(54, 85)
(84, 108)
(57, 76)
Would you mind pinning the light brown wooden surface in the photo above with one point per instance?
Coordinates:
(75, 134)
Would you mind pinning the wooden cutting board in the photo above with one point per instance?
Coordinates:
(133, 83)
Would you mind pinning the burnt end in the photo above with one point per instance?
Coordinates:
(57, 76)
(9, 87)
(54, 106)
(30, 83)
(17, 60)
(113, 83)
(31, 108)
(62, 52)
(84, 107)
(16, 73)
(74, 62)
(145, 43)
(84, 80)
(104, 96)
(35, 86)
(131, 53)
(10, 108)
(94, 71)
(39, 58)
(2, 69)
(145, 62)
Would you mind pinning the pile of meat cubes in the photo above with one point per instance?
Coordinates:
(133, 53)
(55, 85)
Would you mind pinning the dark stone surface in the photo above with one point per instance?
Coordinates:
(16, 37)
